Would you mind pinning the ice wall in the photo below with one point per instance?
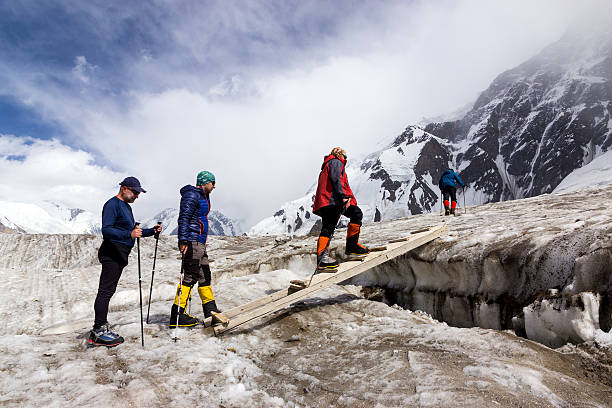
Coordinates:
(540, 266)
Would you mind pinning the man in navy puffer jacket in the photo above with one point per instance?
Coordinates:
(449, 188)
(192, 235)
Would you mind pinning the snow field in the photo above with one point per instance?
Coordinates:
(349, 351)
(336, 348)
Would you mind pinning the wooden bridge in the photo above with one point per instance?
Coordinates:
(299, 290)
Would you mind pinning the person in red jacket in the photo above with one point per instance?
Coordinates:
(333, 199)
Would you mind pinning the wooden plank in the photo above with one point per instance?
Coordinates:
(346, 271)
(378, 248)
(262, 301)
(249, 306)
(316, 278)
(258, 302)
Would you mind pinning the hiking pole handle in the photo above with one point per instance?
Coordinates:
(156, 235)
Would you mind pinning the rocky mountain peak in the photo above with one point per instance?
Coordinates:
(531, 128)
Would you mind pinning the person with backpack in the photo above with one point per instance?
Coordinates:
(192, 236)
(448, 187)
(119, 233)
(333, 199)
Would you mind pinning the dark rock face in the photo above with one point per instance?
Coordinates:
(388, 184)
(377, 216)
(538, 122)
(408, 171)
(298, 222)
(74, 212)
(433, 160)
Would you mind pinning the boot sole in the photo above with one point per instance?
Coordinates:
(354, 256)
(91, 344)
(323, 268)
(174, 326)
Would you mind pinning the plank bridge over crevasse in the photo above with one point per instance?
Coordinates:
(298, 290)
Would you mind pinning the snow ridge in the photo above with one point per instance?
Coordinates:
(47, 217)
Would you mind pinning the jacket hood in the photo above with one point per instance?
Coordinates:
(329, 157)
(191, 189)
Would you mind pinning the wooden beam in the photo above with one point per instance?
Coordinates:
(249, 306)
(378, 248)
(346, 270)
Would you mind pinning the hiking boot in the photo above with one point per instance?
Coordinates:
(356, 250)
(102, 336)
(209, 307)
(353, 247)
(326, 262)
(447, 211)
(184, 320)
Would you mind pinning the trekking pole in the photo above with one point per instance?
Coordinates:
(178, 312)
(464, 207)
(140, 287)
(153, 272)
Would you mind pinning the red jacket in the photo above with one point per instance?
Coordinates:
(333, 185)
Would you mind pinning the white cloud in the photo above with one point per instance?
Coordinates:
(82, 69)
(33, 170)
(263, 127)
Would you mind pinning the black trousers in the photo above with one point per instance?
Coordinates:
(113, 257)
(449, 191)
(330, 216)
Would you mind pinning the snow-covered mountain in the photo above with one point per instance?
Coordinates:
(81, 221)
(47, 217)
(534, 126)
(394, 182)
(538, 122)
(218, 223)
(53, 218)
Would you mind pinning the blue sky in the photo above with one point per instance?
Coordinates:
(255, 91)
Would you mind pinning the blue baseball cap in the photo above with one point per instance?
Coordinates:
(133, 184)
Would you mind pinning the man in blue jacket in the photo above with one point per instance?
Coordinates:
(119, 233)
(449, 188)
(192, 235)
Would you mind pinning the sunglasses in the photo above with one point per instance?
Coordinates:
(134, 191)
